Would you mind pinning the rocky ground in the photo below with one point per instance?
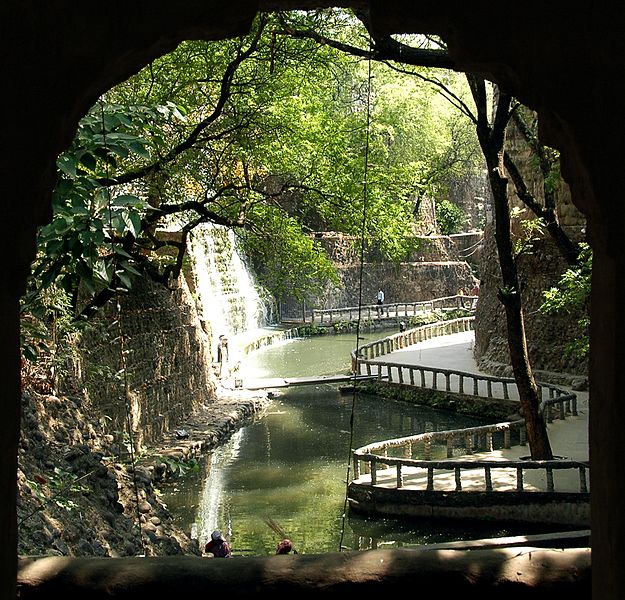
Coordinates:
(77, 498)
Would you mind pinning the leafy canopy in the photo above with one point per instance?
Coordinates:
(273, 135)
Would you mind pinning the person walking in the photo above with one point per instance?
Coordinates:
(380, 301)
(223, 356)
(475, 292)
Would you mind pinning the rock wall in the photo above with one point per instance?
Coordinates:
(540, 269)
(168, 362)
(570, 218)
(436, 269)
(547, 335)
(407, 282)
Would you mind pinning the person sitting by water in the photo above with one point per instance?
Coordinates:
(285, 546)
(217, 546)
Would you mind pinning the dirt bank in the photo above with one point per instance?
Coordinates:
(78, 494)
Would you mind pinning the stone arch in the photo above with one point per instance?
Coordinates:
(57, 59)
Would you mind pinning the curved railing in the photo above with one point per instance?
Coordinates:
(400, 453)
(372, 312)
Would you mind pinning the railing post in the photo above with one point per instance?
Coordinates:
(400, 480)
(489, 481)
(374, 471)
(356, 466)
(458, 479)
(430, 486)
(506, 438)
(427, 450)
(519, 479)
(489, 442)
(583, 486)
(549, 479)
(408, 450)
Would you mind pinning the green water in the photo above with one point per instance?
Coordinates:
(290, 466)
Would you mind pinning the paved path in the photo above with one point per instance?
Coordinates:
(569, 438)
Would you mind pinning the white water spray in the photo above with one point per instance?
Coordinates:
(229, 301)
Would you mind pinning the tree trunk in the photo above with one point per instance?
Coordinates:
(492, 142)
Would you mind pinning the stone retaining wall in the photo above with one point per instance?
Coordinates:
(168, 362)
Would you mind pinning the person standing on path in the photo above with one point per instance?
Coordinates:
(380, 301)
(222, 355)
(475, 292)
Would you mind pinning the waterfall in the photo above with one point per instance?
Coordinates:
(229, 301)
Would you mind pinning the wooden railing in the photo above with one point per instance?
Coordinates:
(379, 455)
(555, 403)
(371, 312)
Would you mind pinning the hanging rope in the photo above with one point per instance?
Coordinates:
(122, 339)
(363, 229)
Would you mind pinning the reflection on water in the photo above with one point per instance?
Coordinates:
(291, 465)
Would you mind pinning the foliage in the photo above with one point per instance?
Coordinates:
(285, 259)
(449, 217)
(49, 335)
(311, 330)
(63, 486)
(84, 245)
(572, 296)
(179, 467)
(275, 136)
(529, 231)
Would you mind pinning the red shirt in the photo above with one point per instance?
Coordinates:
(219, 549)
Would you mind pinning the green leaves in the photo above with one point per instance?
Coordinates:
(449, 217)
(571, 296)
(82, 246)
(276, 143)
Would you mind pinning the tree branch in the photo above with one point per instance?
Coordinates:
(192, 138)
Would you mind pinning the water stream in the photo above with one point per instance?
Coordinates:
(290, 465)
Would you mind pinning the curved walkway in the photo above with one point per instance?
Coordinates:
(387, 480)
(569, 437)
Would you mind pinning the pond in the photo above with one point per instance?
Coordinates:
(287, 471)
